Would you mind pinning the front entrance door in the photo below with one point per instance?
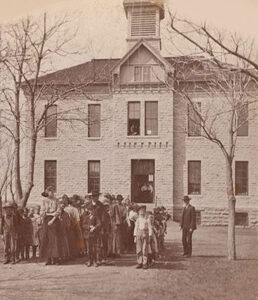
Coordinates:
(142, 180)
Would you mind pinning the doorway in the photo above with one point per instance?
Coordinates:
(142, 180)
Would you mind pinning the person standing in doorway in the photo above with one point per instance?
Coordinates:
(188, 225)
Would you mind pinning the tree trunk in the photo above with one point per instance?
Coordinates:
(30, 180)
(17, 173)
(231, 211)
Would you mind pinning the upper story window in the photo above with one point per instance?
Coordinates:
(143, 22)
(93, 176)
(134, 116)
(194, 177)
(242, 121)
(50, 174)
(241, 177)
(151, 118)
(194, 122)
(142, 73)
(94, 120)
(51, 121)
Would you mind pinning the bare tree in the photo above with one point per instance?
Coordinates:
(28, 49)
(227, 63)
(219, 46)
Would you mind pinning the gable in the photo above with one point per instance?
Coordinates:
(141, 65)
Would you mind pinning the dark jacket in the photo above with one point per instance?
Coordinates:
(188, 220)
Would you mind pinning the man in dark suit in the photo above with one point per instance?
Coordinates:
(188, 225)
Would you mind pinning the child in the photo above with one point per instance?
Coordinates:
(142, 233)
(9, 231)
(91, 225)
(28, 233)
(153, 245)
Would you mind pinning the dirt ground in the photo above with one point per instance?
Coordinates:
(207, 275)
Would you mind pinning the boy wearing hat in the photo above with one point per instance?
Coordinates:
(91, 226)
(188, 225)
(142, 233)
(9, 231)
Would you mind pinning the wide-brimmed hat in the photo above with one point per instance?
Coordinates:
(106, 202)
(119, 197)
(142, 207)
(186, 198)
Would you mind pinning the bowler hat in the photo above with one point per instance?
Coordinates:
(119, 197)
(95, 193)
(186, 198)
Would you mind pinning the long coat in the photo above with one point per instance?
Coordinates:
(188, 220)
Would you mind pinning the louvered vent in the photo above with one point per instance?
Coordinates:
(143, 23)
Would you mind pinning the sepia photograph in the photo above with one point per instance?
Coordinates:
(128, 149)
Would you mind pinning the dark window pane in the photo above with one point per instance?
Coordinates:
(137, 74)
(146, 74)
(143, 176)
(194, 124)
(94, 120)
(194, 177)
(93, 176)
(243, 121)
(50, 174)
(151, 118)
(241, 178)
(134, 115)
(51, 121)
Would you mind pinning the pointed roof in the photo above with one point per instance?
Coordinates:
(144, 43)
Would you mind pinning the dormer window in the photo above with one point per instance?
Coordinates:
(142, 73)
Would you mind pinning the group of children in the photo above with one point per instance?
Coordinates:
(66, 228)
(20, 230)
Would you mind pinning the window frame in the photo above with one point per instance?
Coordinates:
(55, 119)
(128, 119)
(142, 69)
(151, 118)
(243, 130)
(94, 119)
(90, 178)
(240, 193)
(188, 178)
(45, 175)
(189, 121)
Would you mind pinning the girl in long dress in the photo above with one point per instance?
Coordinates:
(51, 247)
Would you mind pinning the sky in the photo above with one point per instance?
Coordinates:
(102, 23)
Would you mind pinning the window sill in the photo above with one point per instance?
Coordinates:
(143, 136)
(94, 138)
(50, 138)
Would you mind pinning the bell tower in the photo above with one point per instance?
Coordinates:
(144, 18)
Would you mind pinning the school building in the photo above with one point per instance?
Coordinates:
(125, 130)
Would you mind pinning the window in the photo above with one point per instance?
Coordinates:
(142, 74)
(194, 177)
(50, 174)
(94, 120)
(241, 178)
(134, 115)
(51, 121)
(243, 121)
(194, 124)
(151, 118)
(142, 180)
(93, 176)
(241, 219)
